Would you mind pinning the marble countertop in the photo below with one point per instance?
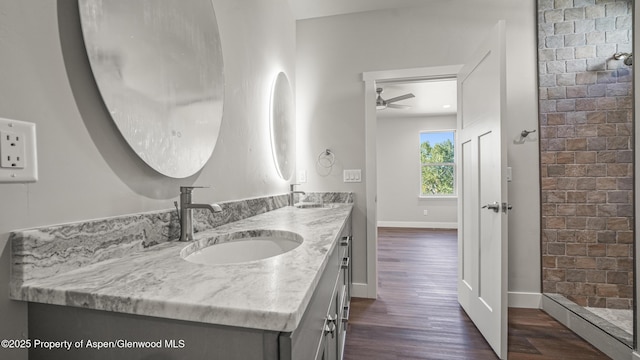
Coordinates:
(268, 294)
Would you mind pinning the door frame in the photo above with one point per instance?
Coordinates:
(371, 78)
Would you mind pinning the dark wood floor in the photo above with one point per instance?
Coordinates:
(417, 316)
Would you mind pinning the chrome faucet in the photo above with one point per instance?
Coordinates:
(186, 215)
(292, 192)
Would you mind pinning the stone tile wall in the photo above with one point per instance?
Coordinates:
(586, 127)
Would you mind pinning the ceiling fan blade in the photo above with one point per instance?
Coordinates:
(398, 106)
(401, 97)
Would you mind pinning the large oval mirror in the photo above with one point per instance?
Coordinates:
(158, 66)
(283, 126)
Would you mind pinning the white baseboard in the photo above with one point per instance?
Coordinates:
(418, 224)
(525, 300)
(635, 356)
(360, 290)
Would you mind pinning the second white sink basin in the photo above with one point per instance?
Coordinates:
(239, 247)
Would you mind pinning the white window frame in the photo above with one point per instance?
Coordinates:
(453, 164)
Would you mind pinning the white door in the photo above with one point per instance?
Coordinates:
(482, 213)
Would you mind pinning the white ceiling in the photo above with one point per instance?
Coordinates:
(431, 98)
(307, 9)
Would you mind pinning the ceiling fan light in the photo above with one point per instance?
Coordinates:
(380, 107)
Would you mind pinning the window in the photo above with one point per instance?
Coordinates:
(438, 170)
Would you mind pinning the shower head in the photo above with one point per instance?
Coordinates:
(626, 57)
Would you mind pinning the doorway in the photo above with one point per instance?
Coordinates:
(372, 80)
(482, 249)
(482, 195)
(416, 154)
(483, 174)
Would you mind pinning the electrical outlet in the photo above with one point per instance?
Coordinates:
(12, 150)
(425, 212)
(18, 160)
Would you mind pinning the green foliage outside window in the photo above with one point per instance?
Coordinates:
(437, 158)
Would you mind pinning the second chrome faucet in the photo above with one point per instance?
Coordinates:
(292, 192)
(186, 215)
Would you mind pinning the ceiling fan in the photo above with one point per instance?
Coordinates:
(382, 104)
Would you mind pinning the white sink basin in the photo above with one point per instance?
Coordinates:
(239, 247)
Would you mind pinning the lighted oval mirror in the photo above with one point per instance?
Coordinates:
(158, 66)
(283, 126)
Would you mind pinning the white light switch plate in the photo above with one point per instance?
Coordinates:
(353, 175)
(18, 157)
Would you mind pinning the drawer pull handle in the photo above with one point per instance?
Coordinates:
(345, 314)
(345, 263)
(330, 326)
(345, 240)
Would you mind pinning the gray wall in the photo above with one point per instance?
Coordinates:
(86, 169)
(399, 204)
(333, 53)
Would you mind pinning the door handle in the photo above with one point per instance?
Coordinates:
(495, 206)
